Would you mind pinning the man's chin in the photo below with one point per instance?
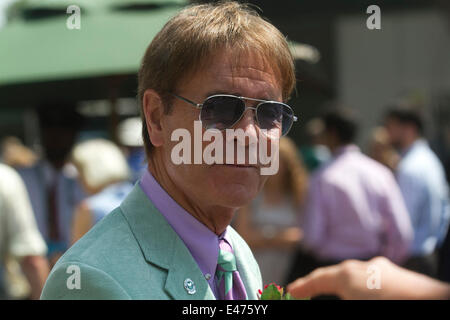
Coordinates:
(236, 196)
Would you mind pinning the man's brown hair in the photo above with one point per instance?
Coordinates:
(192, 37)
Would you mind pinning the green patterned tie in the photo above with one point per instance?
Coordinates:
(226, 267)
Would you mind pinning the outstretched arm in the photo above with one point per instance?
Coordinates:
(349, 280)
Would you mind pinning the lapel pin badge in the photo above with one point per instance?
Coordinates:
(189, 286)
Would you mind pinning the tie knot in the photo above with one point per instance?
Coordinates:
(227, 261)
(228, 280)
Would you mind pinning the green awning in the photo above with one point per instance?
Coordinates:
(111, 41)
(41, 56)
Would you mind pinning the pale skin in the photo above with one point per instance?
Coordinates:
(348, 280)
(210, 193)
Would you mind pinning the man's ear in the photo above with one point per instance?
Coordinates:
(153, 108)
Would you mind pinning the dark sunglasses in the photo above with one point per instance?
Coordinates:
(223, 111)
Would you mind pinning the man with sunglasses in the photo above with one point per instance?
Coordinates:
(224, 65)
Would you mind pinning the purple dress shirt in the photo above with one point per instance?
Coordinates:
(201, 242)
(355, 210)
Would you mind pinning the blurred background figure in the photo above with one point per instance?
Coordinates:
(15, 154)
(129, 133)
(104, 175)
(27, 164)
(314, 152)
(20, 239)
(354, 206)
(381, 149)
(23, 160)
(54, 179)
(422, 180)
(269, 223)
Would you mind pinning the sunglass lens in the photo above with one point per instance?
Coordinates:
(221, 112)
(275, 116)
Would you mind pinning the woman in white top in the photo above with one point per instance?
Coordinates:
(270, 223)
(104, 175)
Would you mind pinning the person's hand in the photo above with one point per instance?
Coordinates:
(36, 270)
(378, 278)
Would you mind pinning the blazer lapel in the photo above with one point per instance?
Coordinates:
(161, 245)
(184, 268)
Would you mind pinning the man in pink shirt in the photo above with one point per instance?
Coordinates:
(355, 209)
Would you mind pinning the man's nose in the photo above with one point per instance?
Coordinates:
(248, 124)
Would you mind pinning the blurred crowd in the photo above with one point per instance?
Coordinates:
(48, 202)
(329, 201)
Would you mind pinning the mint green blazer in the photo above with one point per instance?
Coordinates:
(133, 253)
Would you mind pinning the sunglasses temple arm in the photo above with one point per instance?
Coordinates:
(197, 105)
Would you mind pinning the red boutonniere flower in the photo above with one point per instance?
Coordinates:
(273, 291)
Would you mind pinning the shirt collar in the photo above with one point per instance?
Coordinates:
(201, 242)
